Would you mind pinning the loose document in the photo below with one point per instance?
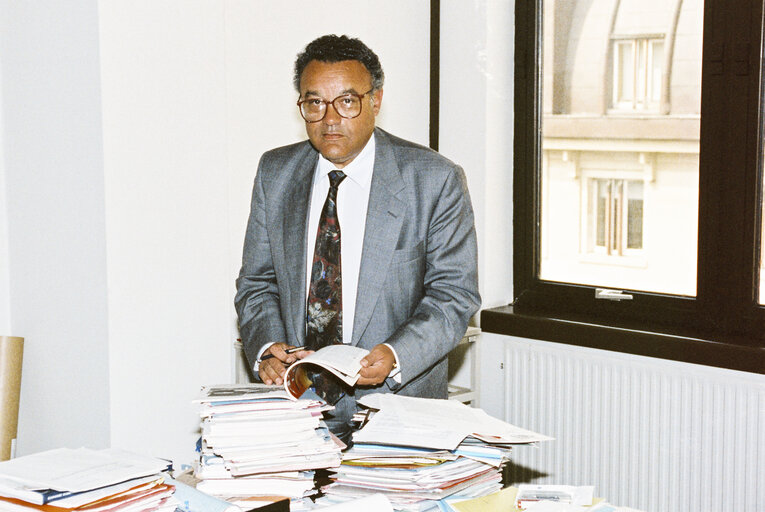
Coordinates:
(68, 471)
(432, 423)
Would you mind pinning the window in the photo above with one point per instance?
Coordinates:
(612, 111)
(615, 216)
(637, 65)
(663, 206)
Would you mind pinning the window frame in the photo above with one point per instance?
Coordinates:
(723, 325)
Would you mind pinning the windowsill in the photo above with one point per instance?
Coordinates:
(635, 113)
(662, 130)
(504, 320)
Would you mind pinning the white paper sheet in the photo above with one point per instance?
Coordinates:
(373, 503)
(433, 423)
(78, 470)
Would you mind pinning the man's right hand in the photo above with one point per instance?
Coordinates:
(271, 371)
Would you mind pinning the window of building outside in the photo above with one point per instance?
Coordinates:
(637, 71)
(614, 217)
(638, 187)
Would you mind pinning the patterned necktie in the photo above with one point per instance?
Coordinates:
(325, 299)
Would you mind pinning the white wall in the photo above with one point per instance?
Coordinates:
(132, 133)
(262, 40)
(5, 277)
(476, 127)
(54, 202)
(193, 93)
(163, 87)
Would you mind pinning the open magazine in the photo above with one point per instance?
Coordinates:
(343, 361)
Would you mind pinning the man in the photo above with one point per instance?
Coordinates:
(397, 277)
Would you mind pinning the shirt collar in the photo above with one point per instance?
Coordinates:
(359, 170)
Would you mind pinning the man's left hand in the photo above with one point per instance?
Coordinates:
(376, 366)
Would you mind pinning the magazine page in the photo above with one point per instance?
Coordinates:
(343, 361)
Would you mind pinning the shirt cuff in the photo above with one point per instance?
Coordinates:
(395, 373)
(256, 366)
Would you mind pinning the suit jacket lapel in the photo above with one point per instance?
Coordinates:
(295, 219)
(384, 218)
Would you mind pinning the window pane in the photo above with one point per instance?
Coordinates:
(620, 142)
(635, 215)
(641, 74)
(657, 62)
(626, 74)
(601, 199)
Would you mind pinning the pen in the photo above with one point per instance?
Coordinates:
(289, 351)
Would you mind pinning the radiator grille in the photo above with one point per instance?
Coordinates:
(655, 435)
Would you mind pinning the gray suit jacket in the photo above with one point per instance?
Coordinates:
(418, 283)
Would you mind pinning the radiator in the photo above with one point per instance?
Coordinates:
(650, 434)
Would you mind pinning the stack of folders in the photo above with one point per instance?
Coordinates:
(424, 454)
(258, 443)
(84, 480)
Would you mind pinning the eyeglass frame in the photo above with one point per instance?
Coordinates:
(328, 103)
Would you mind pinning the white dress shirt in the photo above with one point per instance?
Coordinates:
(352, 202)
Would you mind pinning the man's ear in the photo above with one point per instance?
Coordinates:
(377, 101)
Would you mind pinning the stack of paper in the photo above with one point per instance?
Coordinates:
(258, 441)
(419, 452)
(64, 480)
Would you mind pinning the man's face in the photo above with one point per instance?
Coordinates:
(338, 139)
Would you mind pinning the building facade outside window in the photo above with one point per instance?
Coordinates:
(609, 151)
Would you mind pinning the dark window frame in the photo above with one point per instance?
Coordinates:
(723, 325)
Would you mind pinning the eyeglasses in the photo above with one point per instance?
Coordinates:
(348, 106)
